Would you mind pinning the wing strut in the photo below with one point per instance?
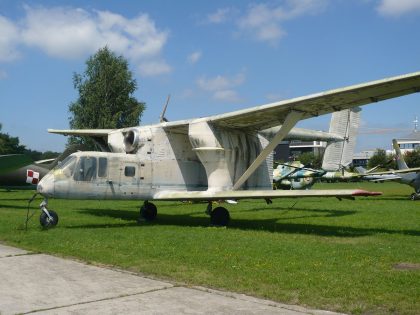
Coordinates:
(291, 119)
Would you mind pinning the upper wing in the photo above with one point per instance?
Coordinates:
(82, 132)
(259, 194)
(274, 114)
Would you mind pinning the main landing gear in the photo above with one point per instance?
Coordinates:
(218, 216)
(148, 212)
(48, 218)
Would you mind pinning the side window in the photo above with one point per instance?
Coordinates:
(102, 167)
(85, 169)
(130, 171)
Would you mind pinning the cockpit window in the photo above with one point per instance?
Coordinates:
(85, 169)
(67, 165)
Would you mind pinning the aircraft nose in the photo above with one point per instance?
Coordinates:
(46, 185)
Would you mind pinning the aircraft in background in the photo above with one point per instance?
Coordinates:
(30, 173)
(295, 175)
(404, 174)
(10, 162)
(222, 157)
(337, 156)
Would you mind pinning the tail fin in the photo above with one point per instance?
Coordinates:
(340, 154)
(398, 156)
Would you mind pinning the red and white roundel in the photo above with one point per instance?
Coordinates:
(32, 177)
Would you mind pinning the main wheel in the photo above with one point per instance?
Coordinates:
(148, 211)
(415, 196)
(46, 222)
(219, 217)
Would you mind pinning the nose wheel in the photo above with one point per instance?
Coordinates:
(415, 196)
(48, 218)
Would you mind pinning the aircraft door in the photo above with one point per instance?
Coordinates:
(129, 178)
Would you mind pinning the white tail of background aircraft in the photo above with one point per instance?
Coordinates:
(340, 154)
(398, 156)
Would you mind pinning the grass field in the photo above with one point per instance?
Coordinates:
(358, 257)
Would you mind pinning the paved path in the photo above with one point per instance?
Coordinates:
(44, 284)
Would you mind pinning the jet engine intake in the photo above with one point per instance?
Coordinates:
(131, 141)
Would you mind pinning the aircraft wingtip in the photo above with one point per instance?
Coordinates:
(361, 192)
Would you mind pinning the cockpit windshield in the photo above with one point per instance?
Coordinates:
(84, 168)
(67, 165)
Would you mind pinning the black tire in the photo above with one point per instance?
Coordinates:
(219, 217)
(148, 211)
(46, 222)
(415, 196)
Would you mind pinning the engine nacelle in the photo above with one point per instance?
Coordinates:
(132, 141)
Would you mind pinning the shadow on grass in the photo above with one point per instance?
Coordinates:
(269, 225)
(11, 207)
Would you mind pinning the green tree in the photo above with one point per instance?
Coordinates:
(412, 158)
(309, 159)
(10, 145)
(378, 158)
(105, 95)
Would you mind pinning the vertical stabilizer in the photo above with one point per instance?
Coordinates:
(398, 156)
(340, 154)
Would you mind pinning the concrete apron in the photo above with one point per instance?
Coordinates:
(38, 283)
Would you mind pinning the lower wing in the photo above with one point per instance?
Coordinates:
(259, 194)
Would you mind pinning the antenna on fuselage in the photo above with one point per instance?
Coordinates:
(162, 116)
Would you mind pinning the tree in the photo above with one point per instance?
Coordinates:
(10, 145)
(412, 158)
(309, 159)
(105, 95)
(378, 158)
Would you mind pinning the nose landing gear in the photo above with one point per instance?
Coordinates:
(48, 218)
(415, 196)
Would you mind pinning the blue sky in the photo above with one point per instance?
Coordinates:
(211, 56)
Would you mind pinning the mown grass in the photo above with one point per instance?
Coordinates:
(323, 253)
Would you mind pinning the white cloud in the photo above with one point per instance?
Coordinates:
(219, 16)
(227, 96)
(65, 32)
(194, 57)
(153, 68)
(222, 88)
(9, 39)
(264, 22)
(398, 7)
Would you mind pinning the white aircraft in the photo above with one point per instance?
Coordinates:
(217, 158)
(404, 174)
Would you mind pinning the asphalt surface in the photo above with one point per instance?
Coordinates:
(44, 284)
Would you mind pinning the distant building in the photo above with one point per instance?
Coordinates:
(411, 141)
(290, 150)
(299, 147)
(282, 152)
(362, 158)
